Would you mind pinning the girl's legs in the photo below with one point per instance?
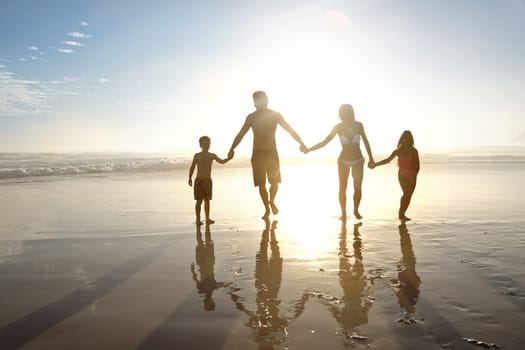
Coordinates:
(408, 186)
(344, 172)
(357, 175)
(198, 204)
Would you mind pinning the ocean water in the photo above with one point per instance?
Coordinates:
(52, 195)
(16, 165)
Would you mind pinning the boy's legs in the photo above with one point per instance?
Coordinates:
(207, 211)
(198, 204)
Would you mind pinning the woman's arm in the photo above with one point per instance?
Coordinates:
(367, 144)
(387, 160)
(323, 143)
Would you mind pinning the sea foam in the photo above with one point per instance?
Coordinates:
(15, 165)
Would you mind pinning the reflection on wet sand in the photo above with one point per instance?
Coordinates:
(409, 281)
(267, 320)
(355, 301)
(205, 259)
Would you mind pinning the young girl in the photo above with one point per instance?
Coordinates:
(408, 162)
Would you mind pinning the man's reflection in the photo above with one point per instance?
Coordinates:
(205, 258)
(409, 281)
(267, 320)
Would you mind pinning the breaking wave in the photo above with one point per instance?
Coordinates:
(15, 165)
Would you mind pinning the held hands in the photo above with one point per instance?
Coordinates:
(371, 164)
(304, 149)
(231, 153)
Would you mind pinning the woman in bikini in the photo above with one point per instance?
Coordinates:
(350, 133)
(408, 162)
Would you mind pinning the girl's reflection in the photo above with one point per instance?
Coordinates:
(205, 258)
(409, 281)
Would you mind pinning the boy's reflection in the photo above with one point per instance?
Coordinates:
(205, 258)
(409, 281)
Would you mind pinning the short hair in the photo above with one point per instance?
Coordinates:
(204, 138)
(259, 94)
(260, 99)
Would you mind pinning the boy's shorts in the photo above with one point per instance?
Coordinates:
(202, 189)
(265, 164)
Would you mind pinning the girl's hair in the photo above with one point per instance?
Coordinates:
(346, 113)
(406, 139)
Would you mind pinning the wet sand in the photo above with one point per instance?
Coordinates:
(124, 266)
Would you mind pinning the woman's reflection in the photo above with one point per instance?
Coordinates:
(205, 258)
(354, 283)
(409, 281)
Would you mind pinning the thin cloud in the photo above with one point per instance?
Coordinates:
(103, 80)
(19, 97)
(83, 23)
(33, 48)
(23, 59)
(79, 35)
(66, 50)
(72, 43)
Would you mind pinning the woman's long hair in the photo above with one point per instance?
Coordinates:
(346, 113)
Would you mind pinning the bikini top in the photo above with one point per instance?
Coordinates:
(345, 141)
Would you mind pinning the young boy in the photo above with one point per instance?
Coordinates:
(202, 191)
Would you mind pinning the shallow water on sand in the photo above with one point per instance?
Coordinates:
(116, 262)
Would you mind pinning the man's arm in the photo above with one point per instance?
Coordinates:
(240, 135)
(291, 131)
(192, 168)
(323, 143)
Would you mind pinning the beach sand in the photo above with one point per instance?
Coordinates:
(115, 261)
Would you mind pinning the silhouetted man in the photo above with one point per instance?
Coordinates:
(265, 159)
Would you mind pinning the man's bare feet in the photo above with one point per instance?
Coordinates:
(357, 215)
(275, 211)
(404, 218)
(343, 216)
(199, 222)
(209, 221)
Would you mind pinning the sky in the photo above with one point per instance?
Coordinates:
(154, 76)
